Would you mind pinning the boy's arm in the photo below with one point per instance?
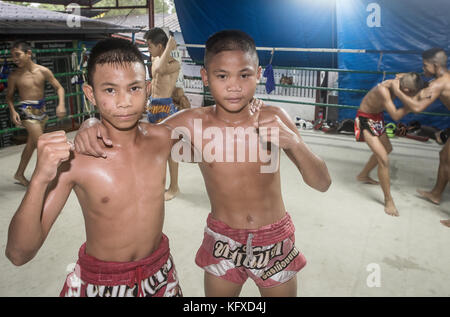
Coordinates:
(166, 64)
(86, 140)
(45, 197)
(428, 96)
(313, 169)
(395, 113)
(15, 117)
(60, 109)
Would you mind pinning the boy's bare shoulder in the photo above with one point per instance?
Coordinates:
(187, 116)
(152, 131)
(44, 70)
(269, 112)
(14, 75)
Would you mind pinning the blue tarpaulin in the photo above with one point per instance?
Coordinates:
(271, 23)
(401, 30)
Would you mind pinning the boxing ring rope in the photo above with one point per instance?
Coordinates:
(322, 104)
(273, 49)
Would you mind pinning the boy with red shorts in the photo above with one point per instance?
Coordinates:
(369, 127)
(126, 252)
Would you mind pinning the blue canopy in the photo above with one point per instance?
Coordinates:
(395, 33)
(399, 33)
(271, 23)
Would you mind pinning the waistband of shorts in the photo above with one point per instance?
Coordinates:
(32, 103)
(99, 272)
(161, 101)
(374, 116)
(265, 235)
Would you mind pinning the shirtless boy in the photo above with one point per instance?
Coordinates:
(369, 127)
(29, 79)
(165, 71)
(248, 233)
(435, 65)
(126, 253)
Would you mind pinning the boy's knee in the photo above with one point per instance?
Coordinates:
(383, 161)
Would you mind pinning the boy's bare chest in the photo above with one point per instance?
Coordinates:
(30, 81)
(120, 176)
(228, 144)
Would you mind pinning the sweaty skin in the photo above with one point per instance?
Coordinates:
(123, 206)
(240, 195)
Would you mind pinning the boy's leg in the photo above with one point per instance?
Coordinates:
(443, 176)
(34, 131)
(288, 289)
(217, 287)
(364, 176)
(373, 161)
(173, 187)
(381, 147)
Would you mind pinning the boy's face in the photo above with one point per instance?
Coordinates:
(20, 58)
(429, 68)
(119, 92)
(155, 50)
(232, 77)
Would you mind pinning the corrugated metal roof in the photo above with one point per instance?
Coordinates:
(141, 21)
(63, 2)
(15, 19)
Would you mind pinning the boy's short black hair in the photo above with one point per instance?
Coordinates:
(156, 36)
(229, 40)
(412, 81)
(21, 45)
(435, 55)
(112, 51)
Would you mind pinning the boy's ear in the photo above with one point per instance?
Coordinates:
(204, 75)
(148, 88)
(258, 74)
(89, 93)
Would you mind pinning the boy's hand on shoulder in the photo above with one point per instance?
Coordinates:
(86, 139)
(52, 149)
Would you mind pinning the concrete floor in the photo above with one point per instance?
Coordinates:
(344, 233)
